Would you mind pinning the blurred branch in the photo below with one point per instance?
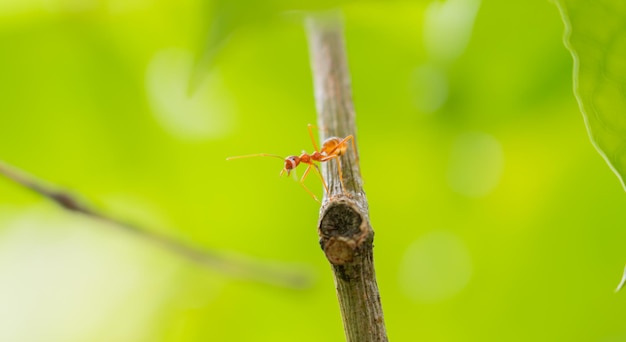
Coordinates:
(235, 267)
(346, 235)
(621, 282)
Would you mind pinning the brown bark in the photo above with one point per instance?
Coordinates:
(346, 235)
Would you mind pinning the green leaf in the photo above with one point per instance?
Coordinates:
(596, 36)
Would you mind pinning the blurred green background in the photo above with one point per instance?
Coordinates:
(495, 218)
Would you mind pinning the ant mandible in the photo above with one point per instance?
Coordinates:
(332, 148)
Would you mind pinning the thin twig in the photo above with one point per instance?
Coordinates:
(346, 235)
(236, 267)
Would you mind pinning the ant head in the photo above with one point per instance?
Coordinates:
(291, 163)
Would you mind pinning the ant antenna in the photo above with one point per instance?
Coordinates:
(256, 155)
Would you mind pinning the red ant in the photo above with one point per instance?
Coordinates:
(332, 148)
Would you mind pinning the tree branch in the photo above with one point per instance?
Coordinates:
(346, 235)
(235, 267)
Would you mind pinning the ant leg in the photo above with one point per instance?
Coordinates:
(356, 156)
(338, 159)
(322, 178)
(312, 138)
(306, 172)
(343, 187)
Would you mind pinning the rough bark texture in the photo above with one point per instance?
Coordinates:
(346, 236)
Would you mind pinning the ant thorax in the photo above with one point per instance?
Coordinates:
(305, 158)
(317, 155)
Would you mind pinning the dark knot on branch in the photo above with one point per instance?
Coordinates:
(343, 229)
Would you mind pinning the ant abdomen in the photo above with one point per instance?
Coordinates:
(334, 147)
